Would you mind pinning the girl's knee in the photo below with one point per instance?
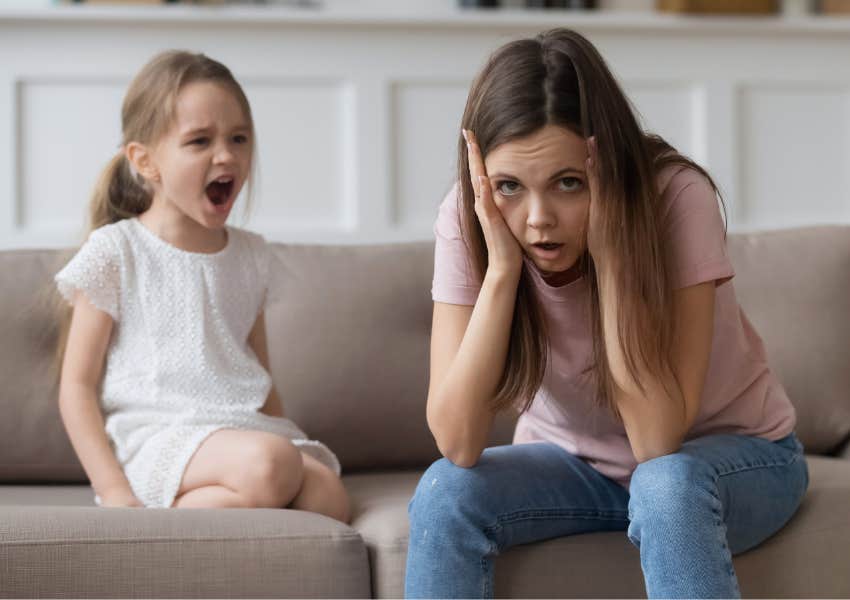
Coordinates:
(273, 471)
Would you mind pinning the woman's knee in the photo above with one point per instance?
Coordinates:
(444, 489)
(273, 471)
(669, 490)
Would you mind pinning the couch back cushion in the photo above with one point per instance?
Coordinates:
(33, 443)
(794, 285)
(348, 342)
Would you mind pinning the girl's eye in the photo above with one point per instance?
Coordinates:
(570, 184)
(507, 188)
(198, 141)
(240, 139)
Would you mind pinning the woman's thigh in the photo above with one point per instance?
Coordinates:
(755, 484)
(519, 494)
(760, 484)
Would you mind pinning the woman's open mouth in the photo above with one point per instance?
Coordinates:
(219, 191)
(546, 250)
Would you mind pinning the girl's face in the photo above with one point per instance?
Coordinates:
(205, 157)
(541, 188)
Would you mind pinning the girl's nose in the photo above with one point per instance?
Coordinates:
(223, 154)
(540, 216)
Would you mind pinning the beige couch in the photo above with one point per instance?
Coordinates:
(349, 346)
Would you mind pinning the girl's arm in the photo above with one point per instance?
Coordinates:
(469, 345)
(657, 419)
(82, 369)
(257, 341)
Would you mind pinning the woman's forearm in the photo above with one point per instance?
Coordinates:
(85, 427)
(653, 411)
(459, 410)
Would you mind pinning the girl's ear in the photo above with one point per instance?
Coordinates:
(139, 157)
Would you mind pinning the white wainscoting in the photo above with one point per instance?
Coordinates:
(357, 111)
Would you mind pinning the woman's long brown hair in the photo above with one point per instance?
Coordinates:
(559, 78)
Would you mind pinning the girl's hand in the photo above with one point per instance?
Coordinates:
(595, 243)
(503, 249)
(117, 498)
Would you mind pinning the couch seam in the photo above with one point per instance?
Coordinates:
(57, 542)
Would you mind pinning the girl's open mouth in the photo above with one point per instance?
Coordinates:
(219, 191)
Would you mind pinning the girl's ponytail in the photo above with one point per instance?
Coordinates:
(118, 194)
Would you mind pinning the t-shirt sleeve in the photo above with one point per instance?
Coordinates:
(95, 271)
(694, 231)
(454, 280)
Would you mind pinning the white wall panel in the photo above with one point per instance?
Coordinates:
(68, 131)
(426, 125)
(795, 153)
(675, 111)
(303, 175)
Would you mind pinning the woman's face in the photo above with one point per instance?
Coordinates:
(540, 186)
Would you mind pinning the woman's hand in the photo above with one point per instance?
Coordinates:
(119, 497)
(503, 249)
(595, 243)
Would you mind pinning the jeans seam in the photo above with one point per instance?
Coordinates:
(794, 458)
(556, 513)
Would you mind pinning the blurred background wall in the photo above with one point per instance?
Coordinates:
(357, 104)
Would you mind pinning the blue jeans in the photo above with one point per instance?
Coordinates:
(687, 512)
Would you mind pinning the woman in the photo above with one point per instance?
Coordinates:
(581, 277)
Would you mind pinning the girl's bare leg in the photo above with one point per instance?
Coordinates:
(322, 491)
(242, 468)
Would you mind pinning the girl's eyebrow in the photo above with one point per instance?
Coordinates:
(206, 130)
(554, 176)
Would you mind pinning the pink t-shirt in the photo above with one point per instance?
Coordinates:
(741, 395)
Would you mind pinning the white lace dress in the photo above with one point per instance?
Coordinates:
(178, 366)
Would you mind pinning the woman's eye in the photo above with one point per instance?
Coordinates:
(507, 188)
(570, 184)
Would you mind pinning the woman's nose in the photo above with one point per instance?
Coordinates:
(540, 215)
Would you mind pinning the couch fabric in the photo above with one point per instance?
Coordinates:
(349, 354)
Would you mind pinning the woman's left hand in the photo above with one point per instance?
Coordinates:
(595, 243)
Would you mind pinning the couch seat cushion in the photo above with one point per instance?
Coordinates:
(807, 558)
(59, 547)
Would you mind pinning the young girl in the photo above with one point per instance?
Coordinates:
(581, 276)
(165, 390)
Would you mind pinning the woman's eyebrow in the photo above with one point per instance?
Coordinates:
(556, 175)
(566, 171)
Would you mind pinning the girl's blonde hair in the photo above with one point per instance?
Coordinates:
(148, 111)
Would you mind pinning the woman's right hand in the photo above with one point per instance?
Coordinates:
(503, 249)
(119, 497)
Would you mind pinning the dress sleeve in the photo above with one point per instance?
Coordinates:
(94, 271)
(694, 231)
(454, 281)
(270, 271)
